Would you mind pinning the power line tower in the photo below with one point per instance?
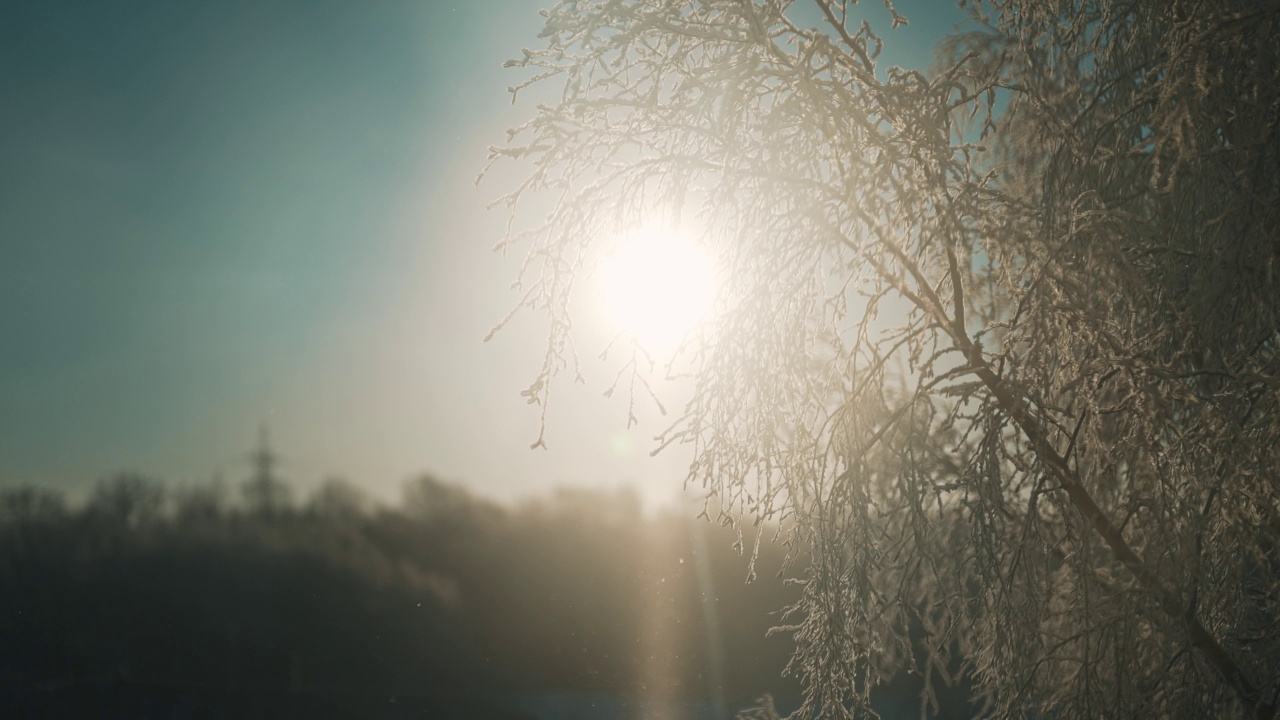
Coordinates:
(264, 493)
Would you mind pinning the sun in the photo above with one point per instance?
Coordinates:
(657, 286)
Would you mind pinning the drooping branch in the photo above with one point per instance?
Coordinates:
(1176, 612)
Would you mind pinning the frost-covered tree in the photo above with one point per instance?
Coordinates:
(997, 341)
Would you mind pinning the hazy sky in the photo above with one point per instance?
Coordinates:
(216, 214)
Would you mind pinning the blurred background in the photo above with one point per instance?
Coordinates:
(255, 459)
(218, 215)
(148, 603)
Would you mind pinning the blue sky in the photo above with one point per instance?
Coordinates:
(219, 214)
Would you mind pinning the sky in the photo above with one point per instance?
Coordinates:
(215, 216)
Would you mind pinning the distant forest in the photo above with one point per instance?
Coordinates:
(149, 602)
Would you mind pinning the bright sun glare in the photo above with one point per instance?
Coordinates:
(657, 286)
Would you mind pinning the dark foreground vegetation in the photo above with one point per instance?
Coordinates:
(144, 604)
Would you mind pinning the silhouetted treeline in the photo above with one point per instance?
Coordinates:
(146, 603)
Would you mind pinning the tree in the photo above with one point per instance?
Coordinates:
(339, 500)
(127, 499)
(202, 502)
(998, 341)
